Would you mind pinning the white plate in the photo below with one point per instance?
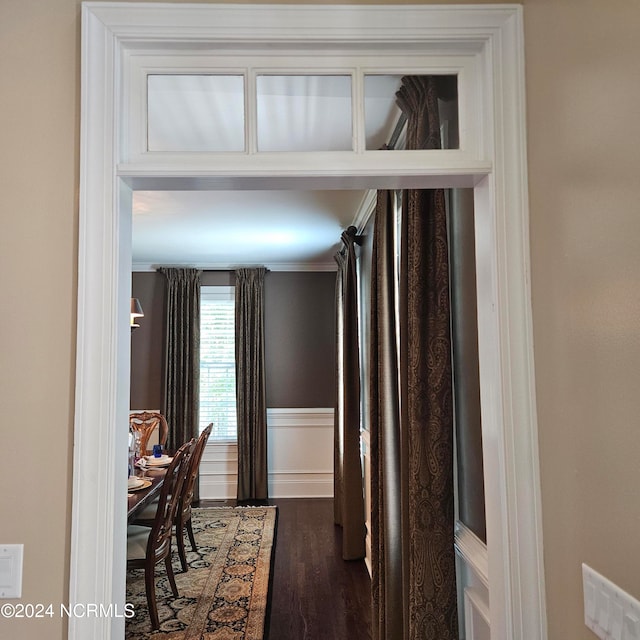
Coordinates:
(165, 461)
(135, 483)
(144, 485)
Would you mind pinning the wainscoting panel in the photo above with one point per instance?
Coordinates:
(299, 457)
(219, 471)
(300, 453)
(476, 615)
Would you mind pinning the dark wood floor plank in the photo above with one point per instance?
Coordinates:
(316, 595)
(320, 596)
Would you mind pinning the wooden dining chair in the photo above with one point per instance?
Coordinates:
(146, 422)
(183, 512)
(147, 546)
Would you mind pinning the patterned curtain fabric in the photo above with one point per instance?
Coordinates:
(427, 389)
(412, 460)
(348, 489)
(182, 367)
(250, 385)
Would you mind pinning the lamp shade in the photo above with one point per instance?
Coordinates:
(136, 308)
(136, 312)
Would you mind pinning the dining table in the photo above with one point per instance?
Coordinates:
(138, 499)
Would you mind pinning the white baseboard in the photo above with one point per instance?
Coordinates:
(301, 485)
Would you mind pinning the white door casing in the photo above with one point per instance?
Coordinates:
(484, 45)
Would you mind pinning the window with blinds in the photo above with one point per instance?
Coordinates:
(218, 362)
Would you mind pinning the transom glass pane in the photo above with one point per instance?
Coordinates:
(304, 113)
(195, 113)
(384, 123)
(381, 114)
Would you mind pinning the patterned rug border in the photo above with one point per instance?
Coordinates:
(256, 628)
(219, 587)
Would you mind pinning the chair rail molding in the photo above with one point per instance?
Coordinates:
(473, 551)
(483, 44)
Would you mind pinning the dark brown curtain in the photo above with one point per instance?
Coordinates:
(250, 385)
(412, 463)
(182, 367)
(388, 538)
(427, 392)
(348, 485)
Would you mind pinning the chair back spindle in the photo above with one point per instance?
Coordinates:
(160, 536)
(183, 515)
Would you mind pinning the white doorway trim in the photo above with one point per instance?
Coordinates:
(111, 34)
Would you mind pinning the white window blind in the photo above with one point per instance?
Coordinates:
(218, 362)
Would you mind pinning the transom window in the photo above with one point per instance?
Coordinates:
(259, 112)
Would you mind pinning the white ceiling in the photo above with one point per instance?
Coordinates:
(287, 230)
(284, 230)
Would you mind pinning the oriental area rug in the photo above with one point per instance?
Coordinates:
(223, 595)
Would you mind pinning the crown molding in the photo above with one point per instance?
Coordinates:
(296, 267)
(366, 209)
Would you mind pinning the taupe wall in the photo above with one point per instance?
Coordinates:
(147, 343)
(583, 99)
(583, 130)
(299, 338)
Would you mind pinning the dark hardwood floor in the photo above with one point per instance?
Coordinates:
(315, 594)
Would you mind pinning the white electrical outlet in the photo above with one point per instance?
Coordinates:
(11, 570)
(610, 612)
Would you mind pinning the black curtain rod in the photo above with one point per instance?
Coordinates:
(353, 232)
(402, 120)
